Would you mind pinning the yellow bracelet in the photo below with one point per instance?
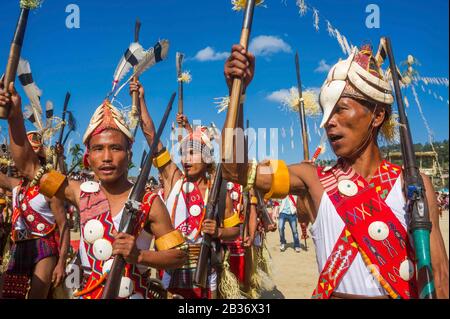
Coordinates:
(232, 221)
(50, 183)
(162, 159)
(169, 240)
(253, 200)
(251, 176)
(280, 180)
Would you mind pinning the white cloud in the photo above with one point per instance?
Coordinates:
(266, 45)
(278, 96)
(282, 95)
(323, 67)
(208, 54)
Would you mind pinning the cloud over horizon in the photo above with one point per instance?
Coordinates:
(209, 54)
(267, 45)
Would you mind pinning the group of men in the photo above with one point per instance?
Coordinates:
(356, 101)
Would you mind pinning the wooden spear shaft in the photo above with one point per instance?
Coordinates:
(179, 63)
(14, 56)
(301, 110)
(236, 91)
(135, 96)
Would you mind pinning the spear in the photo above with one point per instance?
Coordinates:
(63, 124)
(179, 65)
(236, 91)
(417, 205)
(301, 112)
(16, 48)
(135, 96)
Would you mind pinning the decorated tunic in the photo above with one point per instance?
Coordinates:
(237, 251)
(97, 226)
(32, 217)
(360, 234)
(187, 209)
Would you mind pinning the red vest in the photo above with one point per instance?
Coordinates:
(371, 229)
(36, 226)
(97, 227)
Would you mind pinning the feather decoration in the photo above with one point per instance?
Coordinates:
(406, 101)
(330, 30)
(29, 114)
(302, 7)
(30, 4)
(340, 40)
(316, 19)
(185, 77)
(239, 5)
(29, 86)
(152, 56)
(346, 45)
(130, 58)
(222, 103)
(310, 102)
(48, 113)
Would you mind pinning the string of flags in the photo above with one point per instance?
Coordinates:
(333, 32)
(429, 131)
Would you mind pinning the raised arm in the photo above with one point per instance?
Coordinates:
(241, 64)
(169, 171)
(22, 153)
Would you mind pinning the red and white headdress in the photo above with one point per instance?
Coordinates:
(107, 117)
(359, 77)
(199, 140)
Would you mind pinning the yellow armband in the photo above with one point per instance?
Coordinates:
(232, 221)
(2, 201)
(162, 159)
(254, 200)
(169, 240)
(50, 183)
(280, 180)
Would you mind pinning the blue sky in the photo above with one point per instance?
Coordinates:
(83, 60)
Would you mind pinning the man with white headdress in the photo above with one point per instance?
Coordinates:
(361, 224)
(108, 142)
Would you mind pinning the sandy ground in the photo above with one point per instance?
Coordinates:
(295, 275)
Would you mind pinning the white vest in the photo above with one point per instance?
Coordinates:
(328, 227)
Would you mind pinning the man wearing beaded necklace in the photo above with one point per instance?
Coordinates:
(108, 143)
(37, 259)
(186, 193)
(360, 229)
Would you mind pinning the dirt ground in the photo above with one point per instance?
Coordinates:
(295, 275)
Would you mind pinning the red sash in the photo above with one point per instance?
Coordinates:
(191, 226)
(293, 201)
(95, 205)
(36, 226)
(383, 254)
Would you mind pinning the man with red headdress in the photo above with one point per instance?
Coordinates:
(186, 194)
(361, 223)
(108, 142)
